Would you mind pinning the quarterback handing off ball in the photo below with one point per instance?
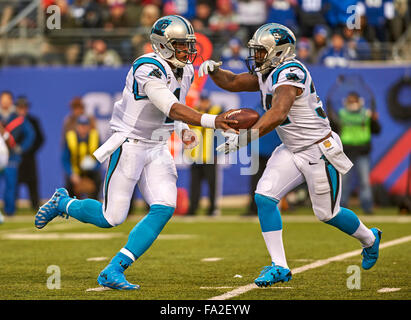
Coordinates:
(246, 118)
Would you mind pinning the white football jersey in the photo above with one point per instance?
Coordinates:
(306, 122)
(135, 115)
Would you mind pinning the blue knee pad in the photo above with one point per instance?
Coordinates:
(345, 220)
(148, 229)
(268, 213)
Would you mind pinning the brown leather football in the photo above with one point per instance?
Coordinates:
(246, 118)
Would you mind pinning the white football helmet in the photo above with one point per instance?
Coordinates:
(168, 30)
(277, 40)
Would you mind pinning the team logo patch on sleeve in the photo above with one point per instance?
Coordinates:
(155, 73)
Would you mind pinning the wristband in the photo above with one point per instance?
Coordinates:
(208, 120)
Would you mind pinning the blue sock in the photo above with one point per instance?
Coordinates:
(121, 262)
(345, 220)
(148, 229)
(87, 211)
(268, 213)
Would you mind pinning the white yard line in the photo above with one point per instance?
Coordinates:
(315, 264)
(384, 290)
(213, 259)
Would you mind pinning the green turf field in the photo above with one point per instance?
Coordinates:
(174, 268)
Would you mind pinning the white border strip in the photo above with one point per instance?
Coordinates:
(315, 264)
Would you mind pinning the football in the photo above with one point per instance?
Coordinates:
(246, 118)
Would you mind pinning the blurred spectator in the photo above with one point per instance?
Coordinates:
(311, 13)
(283, 12)
(28, 166)
(50, 56)
(378, 15)
(133, 12)
(72, 55)
(117, 15)
(93, 16)
(201, 20)
(401, 20)
(251, 15)
(149, 15)
(304, 51)
(356, 124)
(185, 8)
(76, 110)
(204, 166)
(67, 19)
(319, 43)
(223, 23)
(19, 136)
(338, 14)
(82, 170)
(234, 55)
(336, 54)
(219, 20)
(357, 47)
(99, 55)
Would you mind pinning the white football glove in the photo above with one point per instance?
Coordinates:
(190, 139)
(208, 66)
(231, 144)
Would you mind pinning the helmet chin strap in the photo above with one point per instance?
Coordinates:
(279, 61)
(284, 55)
(174, 61)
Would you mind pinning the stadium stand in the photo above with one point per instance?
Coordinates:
(67, 32)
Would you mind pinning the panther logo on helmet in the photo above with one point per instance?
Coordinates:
(281, 36)
(160, 26)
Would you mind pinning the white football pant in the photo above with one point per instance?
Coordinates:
(151, 167)
(286, 170)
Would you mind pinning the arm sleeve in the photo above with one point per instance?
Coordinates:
(145, 73)
(292, 76)
(160, 95)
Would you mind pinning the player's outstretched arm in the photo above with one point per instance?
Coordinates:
(179, 111)
(282, 101)
(228, 80)
(166, 101)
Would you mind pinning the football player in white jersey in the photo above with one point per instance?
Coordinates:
(310, 152)
(151, 108)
